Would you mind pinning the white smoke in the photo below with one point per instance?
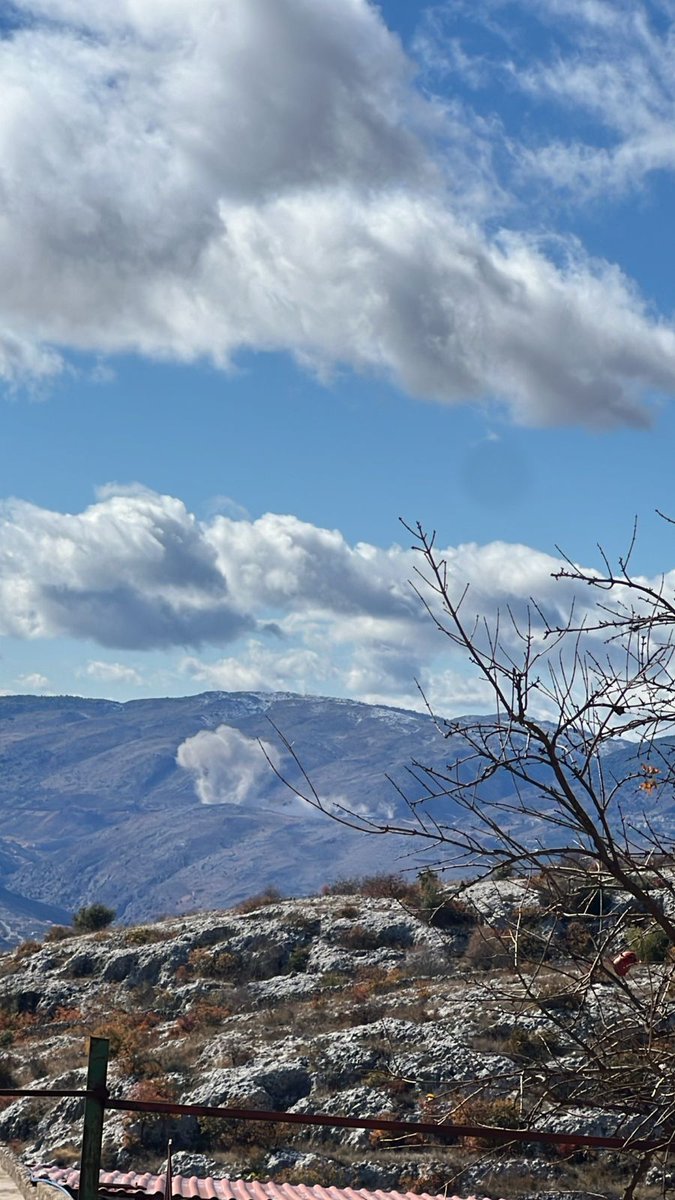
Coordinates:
(226, 766)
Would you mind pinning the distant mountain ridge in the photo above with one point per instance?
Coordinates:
(95, 806)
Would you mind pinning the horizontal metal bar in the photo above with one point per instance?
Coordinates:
(443, 1132)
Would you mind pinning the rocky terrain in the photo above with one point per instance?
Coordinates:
(342, 1003)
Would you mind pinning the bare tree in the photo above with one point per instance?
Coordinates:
(566, 787)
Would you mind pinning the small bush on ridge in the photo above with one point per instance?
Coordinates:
(93, 917)
(59, 933)
(269, 895)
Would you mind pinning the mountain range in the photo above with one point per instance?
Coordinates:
(167, 806)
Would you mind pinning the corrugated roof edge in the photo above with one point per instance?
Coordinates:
(191, 1187)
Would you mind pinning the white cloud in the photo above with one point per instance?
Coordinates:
(300, 608)
(34, 682)
(284, 563)
(112, 672)
(24, 361)
(621, 77)
(608, 67)
(260, 668)
(226, 766)
(137, 569)
(227, 506)
(188, 179)
(133, 571)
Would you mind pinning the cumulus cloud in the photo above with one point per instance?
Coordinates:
(33, 682)
(132, 571)
(186, 179)
(299, 607)
(137, 569)
(261, 668)
(226, 766)
(112, 672)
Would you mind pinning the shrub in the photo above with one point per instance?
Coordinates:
(64, 1156)
(362, 990)
(578, 940)
(358, 937)
(7, 1076)
(130, 1043)
(216, 964)
(17, 1022)
(202, 1015)
(451, 914)
(341, 887)
(427, 1180)
(269, 895)
(298, 959)
(429, 890)
(217, 1133)
(387, 1081)
(334, 979)
(650, 944)
(556, 997)
(151, 1130)
(382, 1139)
(375, 887)
(144, 935)
(93, 917)
(591, 901)
(384, 886)
(27, 949)
(489, 948)
(527, 1046)
(65, 1015)
(432, 902)
(58, 933)
(499, 1112)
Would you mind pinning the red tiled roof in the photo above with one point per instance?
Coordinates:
(193, 1188)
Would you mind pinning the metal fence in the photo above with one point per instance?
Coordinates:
(97, 1099)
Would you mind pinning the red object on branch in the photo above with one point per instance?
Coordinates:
(623, 962)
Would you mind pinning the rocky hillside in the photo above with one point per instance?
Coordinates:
(343, 1003)
(168, 806)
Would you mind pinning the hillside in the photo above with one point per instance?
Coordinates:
(342, 1003)
(95, 806)
(158, 807)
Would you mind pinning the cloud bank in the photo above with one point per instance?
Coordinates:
(268, 604)
(138, 570)
(187, 179)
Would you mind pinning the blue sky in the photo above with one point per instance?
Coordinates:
(277, 272)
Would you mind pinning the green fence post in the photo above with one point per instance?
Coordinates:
(94, 1107)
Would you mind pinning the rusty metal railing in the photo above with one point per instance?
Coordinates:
(97, 1099)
